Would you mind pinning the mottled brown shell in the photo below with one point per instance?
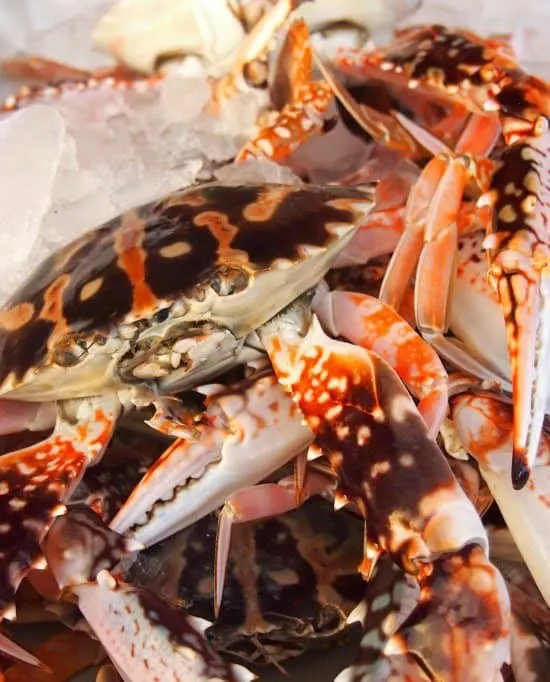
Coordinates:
(481, 72)
(136, 265)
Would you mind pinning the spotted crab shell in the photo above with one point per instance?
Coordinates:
(231, 255)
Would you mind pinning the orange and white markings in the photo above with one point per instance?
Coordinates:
(387, 464)
(301, 117)
(54, 80)
(131, 260)
(506, 103)
(469, 648)
(369, 323)
(296, 123)
(36, 481)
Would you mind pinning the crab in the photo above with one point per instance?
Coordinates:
(166, 297)
(293, 582)
(226, 33)
(111, 320)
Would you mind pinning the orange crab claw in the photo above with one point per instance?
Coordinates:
(367, 423)
(36, 481)
(519, 249)
(387, 464)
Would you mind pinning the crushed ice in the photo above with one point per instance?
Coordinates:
(85, 157)
(71, 164)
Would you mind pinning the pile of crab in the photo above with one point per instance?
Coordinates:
(253, 418)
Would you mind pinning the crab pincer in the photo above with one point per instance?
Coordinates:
(145, 636)
(519, 248)
(390, 467)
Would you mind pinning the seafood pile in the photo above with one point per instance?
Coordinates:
(295, 399)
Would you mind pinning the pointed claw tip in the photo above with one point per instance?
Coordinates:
(520, 470)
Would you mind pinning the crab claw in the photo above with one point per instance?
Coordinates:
(99, 547)
(148, 638)
(457, 609)
(520, 274)
(387, 463)
(36, 481)
(237, 445)
(522, 296)
(145, 636)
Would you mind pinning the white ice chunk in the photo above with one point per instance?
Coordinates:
(256, 170)
(56, 29)
(118, 148)
(31, 144)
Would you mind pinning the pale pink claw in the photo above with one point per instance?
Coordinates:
(254, 504)
(146, 637)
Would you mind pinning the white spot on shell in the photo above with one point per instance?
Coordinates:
(175, 250)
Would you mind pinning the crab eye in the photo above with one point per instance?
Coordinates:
(69, 351)
(228, 281)
(161, 315)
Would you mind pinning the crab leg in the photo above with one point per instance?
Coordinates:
(389, 598)
(367, 322)
(254, 504)
(520, 274)
(65, 654)
(12, 650)
(390, 467)
(307, 101)
(485, 428)
(36, 481)
(238, 444)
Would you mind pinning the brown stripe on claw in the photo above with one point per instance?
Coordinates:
(519, 248)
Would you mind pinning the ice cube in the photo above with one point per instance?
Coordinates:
(31, 145)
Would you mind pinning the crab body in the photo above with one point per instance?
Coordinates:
(109, 309)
